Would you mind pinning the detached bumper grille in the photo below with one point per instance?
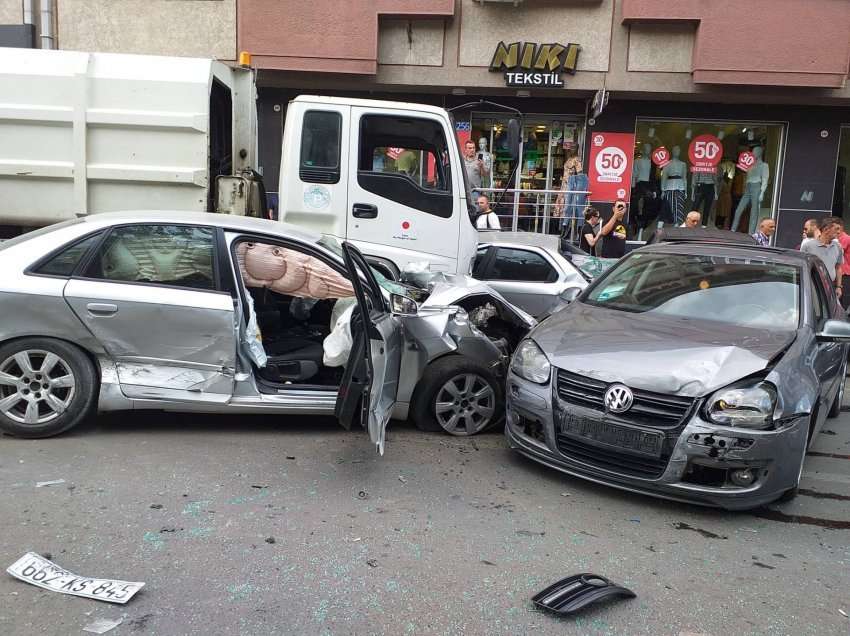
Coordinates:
(655, 410)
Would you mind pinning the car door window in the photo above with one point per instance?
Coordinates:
(404, 159)
(65, 262)
(521, 265)
(820, 304)
(172, 255)
(480, 262)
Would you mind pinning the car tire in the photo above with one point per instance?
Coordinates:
(49, 400)
(835, 408)
(451, 375)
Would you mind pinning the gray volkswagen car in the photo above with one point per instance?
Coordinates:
(222, 314)
(691, 371)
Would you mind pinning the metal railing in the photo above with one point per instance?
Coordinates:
(533, 210)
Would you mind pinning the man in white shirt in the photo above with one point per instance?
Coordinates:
(486, 219)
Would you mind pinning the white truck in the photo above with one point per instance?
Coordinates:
(84, 133)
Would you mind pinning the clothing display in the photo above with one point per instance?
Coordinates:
(574, 201)
(752, 195)
(704, 199)
(673, 210)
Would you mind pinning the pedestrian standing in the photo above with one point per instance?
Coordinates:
(844, 242)
(692, 220)
(614, 232)
(811, 230)
(828, 249)
(475, 168)
(589, 231)
(486, 219)
(766, 229)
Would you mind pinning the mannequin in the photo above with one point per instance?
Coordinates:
(705, 187)
(642, 191)
(487, 158)
(572, 203)
(754, 189)
(674, 186)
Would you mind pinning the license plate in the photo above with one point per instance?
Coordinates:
(36, 570)
(638, 441)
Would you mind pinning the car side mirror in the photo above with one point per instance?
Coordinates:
(834, 331)
(403, 306)
(570, 294)
(512, 142)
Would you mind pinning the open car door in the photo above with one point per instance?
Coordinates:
(370, 380)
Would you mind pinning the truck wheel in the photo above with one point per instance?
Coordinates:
(458, 396)
(46, 387)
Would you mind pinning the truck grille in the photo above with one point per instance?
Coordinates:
(624, 463)
(655, 410)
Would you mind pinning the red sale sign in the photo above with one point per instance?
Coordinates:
(746, 160)
(705, 152)
(610, 168)
(661, 156)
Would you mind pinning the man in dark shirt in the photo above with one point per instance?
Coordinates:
(589, 236)
(614, 232)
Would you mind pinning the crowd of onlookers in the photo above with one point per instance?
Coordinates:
(827, 240)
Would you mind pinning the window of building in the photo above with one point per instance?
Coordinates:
(173, 255)
(64, 263)
(725, 170)
(320, 147)
(405, 159)
(516, 264)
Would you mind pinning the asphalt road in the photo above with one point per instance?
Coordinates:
(249, 525)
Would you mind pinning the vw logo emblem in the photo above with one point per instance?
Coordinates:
(618, 398)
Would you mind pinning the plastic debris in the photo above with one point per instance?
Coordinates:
(402, 479)
(372, 563)
(565, 494)
(843, 613)
(102, 625)
(270, 540)
(34, 569)
(52, 482)
(362, 495)
(575, 592)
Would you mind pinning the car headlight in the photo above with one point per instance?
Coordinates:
(530, 362)
(745, 405)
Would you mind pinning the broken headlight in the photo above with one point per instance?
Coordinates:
(748, 405)
(530, 362)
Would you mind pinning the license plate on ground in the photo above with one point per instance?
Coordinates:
(638, 441)
(34, 569)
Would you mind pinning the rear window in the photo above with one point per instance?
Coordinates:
(744, 292)
(65, 262)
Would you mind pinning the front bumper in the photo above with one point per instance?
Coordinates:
(774, 456)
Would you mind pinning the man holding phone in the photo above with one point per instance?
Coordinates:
(475, 168)
(614, 232)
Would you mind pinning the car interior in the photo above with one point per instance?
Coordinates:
(294, 295)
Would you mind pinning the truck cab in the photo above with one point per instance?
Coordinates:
(385, 176)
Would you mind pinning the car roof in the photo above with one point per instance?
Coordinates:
(225, 221)
(771, 254)
(369, 103)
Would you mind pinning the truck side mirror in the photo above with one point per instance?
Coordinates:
(513, 137)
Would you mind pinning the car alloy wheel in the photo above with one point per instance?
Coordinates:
(35, 386)
(465, 404)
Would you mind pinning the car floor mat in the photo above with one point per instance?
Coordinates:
(575, 592)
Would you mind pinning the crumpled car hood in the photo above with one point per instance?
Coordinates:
(447, 289)
(656, 353)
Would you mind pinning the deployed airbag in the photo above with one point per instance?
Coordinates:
(289, 272)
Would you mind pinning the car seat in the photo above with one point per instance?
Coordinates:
(291, 360)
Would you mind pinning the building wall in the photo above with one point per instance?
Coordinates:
(197, 28)
(11, 12)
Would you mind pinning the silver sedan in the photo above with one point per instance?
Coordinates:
(214, 313)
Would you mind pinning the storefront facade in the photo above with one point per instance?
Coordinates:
(739, 128)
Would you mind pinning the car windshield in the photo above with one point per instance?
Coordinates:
(745, 292)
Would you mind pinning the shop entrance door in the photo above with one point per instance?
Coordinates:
(524, 199)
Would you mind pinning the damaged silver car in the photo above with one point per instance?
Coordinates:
(690, 371)
(220, 314)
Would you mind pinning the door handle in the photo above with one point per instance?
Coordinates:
(102, 309)
(364, 211)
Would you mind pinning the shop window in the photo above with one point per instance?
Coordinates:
(725, 170)
(405, 159)
(320, 146)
